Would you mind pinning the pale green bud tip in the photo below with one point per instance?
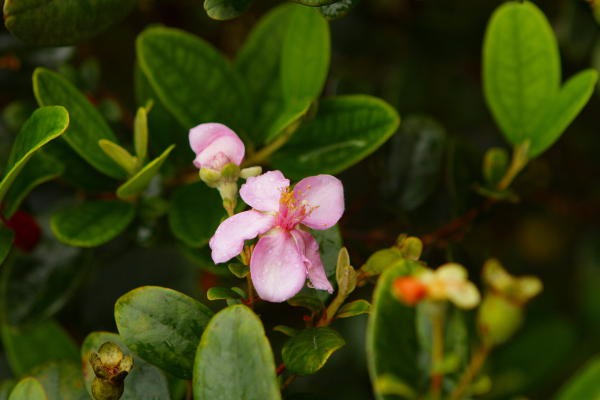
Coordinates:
(498, 319)
(250, 172)
(518, 290)
(210, 176)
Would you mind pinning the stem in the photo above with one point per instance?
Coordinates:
(188, 391)
(518, 162)
(437, 351)
(260, 156)
(470, 373)
(331, 310)
(250, 288)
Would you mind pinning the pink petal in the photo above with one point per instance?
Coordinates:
(312, 260)
(215, 145)
(325, 195)
(228, 240)
(264, 191)
(277, 267)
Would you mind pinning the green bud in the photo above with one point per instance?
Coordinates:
(250, 171)
(104, 390)
(495, 164)
(230, 171)
(345, 273)
(498, 319)
(210, 176)
(411, 247)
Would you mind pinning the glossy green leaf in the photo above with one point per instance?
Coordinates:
(62, 380)
(191, 79)
(41, 168)
(235, 341)
(307, 352)
(162, 326)
(584, 384)
(414, 164)
(338, 9)
(6, 240)
(195, 213)
(32, 345)
(58, 23)
(44, 125)
(521, 68)
(87, 127)
(120, 156)
(145, 382)
(305, 55)
(391, 338)
(354, 308)
(345, 130)
(221, 293)
(259, 62)
(93, 223)
(225, 9)
(28, 389)
(140, 181)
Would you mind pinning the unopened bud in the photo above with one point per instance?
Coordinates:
(111, 367)
(409, 290)
(210, 176)
(498, 319)
(411, 247)
(250, 172)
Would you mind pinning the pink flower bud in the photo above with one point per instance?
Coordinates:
(215, 146)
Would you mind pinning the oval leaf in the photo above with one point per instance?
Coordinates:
(162, 326)
(353, 309)
(225, 9)
(345, 130)
(62, 381)
(56, 23)
(145, 381)
(391, 337)
(92, 224)
(87, 126)
(140, 181)
(584, 385)
(195, 213)
(28, 389)
(44, 125)
(235, 341)
(307, 352)
(191, 79)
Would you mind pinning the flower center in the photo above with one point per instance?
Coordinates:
(291, 211)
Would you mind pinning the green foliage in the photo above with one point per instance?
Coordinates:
(521, 75)
(495, 164)
(28, 389)
(174, 63)
(225, 9)
(62, 380)
(353, 309)
(92, 223)
(162, 326)
(345, 130)
(44, 125)
(145, 380)
(6, 240)
(234, 337)
(120, 156)
(57, 23)
(584, 385)
(32, 345)
(308, 350)
(87, 127)
(140, 181)
(391, 339)
(338, 9)
(195, 213)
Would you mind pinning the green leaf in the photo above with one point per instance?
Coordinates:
(381, 260)
(584, 384)
(162, 326)
(221, 293)
(6, 241)
(307, 352)
(140, 181)
(235, 341)
(195, 213)
(415, 161)
(140, 134)
(62, 380)
(345, 130)
(571, 99)
(353, 309)
(345, 275)
(32, 345)
(42, 168)
(305, 55)
(495, 164)
(314, 3)
(259, 62)
(120, 156)
(391, 337)
(44, 125)
(6, 386)
(28, 389)
(145, 380)
(59, 23)
(338, 9)
(191, 79)
(87, 126)
(225, 9)
(521, 68)
(93, 223)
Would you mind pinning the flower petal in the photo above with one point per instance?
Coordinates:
(308, 246)
(264, 191)
(215, 145)
(325, 195)
(465, 296)
(228, 240)
(277, 267)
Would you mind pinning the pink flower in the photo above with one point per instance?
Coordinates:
(286, 254)
(215, 146)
